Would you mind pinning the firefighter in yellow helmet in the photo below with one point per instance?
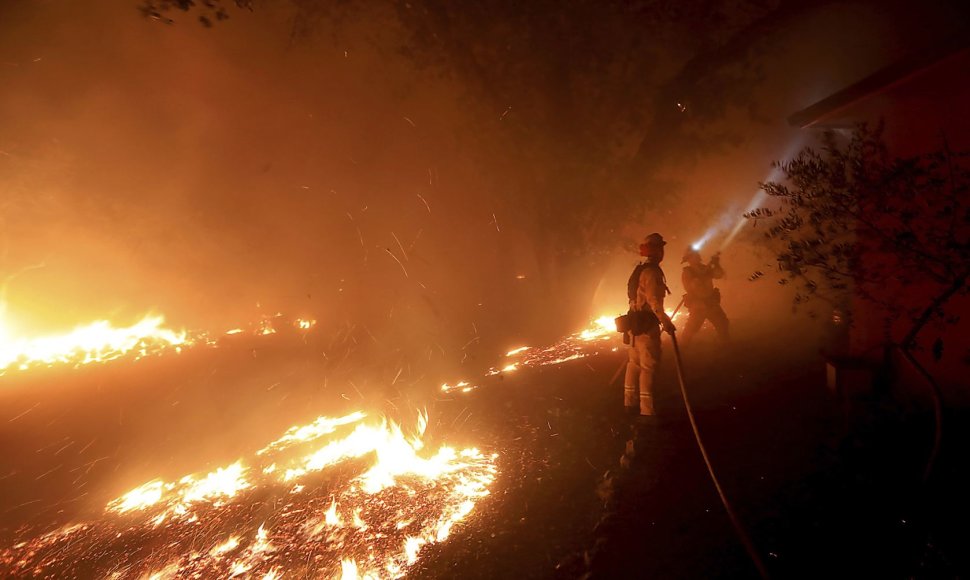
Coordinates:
(702, 299)
(647, 290)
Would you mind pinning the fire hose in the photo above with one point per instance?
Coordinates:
(679, 304)
(742, 534)
(745, 540)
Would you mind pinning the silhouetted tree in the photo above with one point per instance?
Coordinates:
(563, 93)
(562, 97)
(579, 105)
(853, 219)
(209, 10)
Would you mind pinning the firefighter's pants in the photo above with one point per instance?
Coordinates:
(641, 371)
(698, 314)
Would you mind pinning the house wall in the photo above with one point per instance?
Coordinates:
(921, 112)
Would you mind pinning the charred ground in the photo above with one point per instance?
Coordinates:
(820, 492)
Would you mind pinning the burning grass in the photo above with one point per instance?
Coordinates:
(96, 342)
(317, 501)
(348, 496)
(103, 341)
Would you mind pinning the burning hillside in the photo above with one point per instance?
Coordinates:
(350, 496)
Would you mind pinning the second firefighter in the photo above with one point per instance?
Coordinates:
(702, 299)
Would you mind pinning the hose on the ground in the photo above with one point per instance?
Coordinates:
(742, 534)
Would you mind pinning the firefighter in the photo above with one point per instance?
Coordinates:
(702, 299)
(647, 303)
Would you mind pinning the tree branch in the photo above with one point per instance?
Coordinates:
(934, 306)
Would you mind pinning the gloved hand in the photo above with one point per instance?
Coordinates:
(667, 324)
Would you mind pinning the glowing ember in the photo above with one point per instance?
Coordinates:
(598, 337)
(573, 347)
(96, 342)
(359, 504)
(459, 386)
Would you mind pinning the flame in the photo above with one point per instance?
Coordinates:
(606, 322)
(139, 498)
(221, 482)
(229, 545)
(380, 502)
(101, 341)
(675, 315)
(573, 347)
(304, 433)
(600, 335)
(462, 386)
(96, 342)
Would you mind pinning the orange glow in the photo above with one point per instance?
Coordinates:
(97, 342)
(675, 316)
(304, 433)
(463, 386)
(102, 341)
(371, 516)
(572, 347)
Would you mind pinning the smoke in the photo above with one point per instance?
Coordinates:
(218, 175)
(733, 221)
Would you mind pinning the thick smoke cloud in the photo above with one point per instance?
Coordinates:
(219, 174)
(205, 172)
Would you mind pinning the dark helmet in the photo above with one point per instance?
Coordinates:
(655, 239)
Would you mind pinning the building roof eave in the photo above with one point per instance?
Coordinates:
(882, 79)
